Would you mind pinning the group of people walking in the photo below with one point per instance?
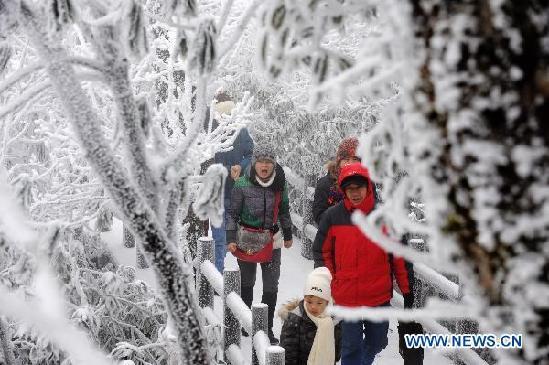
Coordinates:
(350, 268)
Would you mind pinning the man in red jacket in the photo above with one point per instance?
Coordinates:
(362, 271)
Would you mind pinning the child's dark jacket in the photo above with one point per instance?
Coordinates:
(298, 333)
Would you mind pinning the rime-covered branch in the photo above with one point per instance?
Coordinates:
(17, 76)
(169, 269)
(224, 15)
(245, 19)
(117, 71)
(26, 97)
(73, 341)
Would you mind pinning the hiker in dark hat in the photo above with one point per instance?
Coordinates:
(258, 224)
(327, 192)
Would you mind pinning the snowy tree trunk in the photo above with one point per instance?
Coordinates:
(116, 68)
(41, 152)
(5, 55)
(483, 90)
(104, 220)
(129, 239)
(275, 355)
(194, 230)
(306, 243)
(5, 342)
(231, 325)
(259, 323)
(204, 288)
(172, 276)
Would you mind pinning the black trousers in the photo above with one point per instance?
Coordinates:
(270, 273)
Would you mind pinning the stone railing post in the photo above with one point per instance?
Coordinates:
(231, 325)
(129, 240)
(203, 287)
(104, 220)
(275, 355)
(259, 323)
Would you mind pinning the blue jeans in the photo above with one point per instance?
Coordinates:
(362, 341)
(219, 236)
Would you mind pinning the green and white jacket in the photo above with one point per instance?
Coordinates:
(252, 205)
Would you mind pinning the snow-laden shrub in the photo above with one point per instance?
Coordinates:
(117, 310)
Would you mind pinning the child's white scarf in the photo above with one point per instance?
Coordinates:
(323, 350)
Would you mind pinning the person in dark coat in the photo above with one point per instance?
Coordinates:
(362, 271)
(235, 161)
(252, 205)
(327, 192)
(308, 335)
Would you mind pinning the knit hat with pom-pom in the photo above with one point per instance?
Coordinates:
(347, 148)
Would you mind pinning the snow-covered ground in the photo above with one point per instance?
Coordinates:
(294, 270)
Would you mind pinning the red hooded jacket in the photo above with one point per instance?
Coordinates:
(362, 271)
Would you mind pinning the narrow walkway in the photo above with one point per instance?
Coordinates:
(294, 270)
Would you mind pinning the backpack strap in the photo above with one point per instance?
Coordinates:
(277, 199)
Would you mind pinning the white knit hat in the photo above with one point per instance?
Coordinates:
(318, 283)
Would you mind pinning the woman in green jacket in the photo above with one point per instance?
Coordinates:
(259, 202)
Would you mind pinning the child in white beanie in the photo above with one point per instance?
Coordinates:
(309, 335)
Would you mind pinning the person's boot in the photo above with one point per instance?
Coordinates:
(270, 300)
(247, 295)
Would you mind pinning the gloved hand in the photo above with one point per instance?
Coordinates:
(411, 356)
